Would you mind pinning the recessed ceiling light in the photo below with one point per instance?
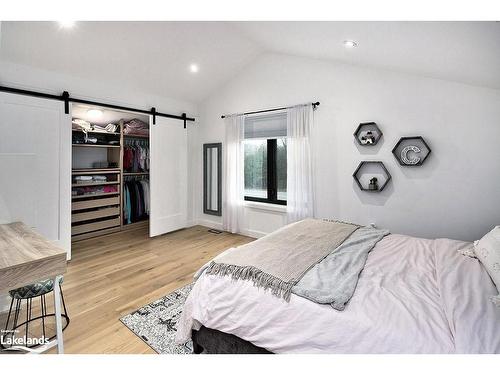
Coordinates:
(193, 68)
(350, 44)
(66, 24)
(94, 113)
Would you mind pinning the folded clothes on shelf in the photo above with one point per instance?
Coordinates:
(83, 178)
(85, 126)
(79, 124)
(90, 190)
(136, 127)
(98, 128)
(86, 179)
(110, 128)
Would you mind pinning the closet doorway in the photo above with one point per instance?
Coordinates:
(111, 163)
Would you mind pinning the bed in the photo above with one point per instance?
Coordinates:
(414, 295)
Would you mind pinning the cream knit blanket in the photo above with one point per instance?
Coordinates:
(279, 260)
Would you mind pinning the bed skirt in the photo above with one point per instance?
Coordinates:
(211, 341)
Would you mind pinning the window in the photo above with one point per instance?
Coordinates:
(256, 168)
(265, 158)
(281, 168)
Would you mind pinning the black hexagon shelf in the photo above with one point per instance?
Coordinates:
(368, 134)
(376, 168)
(411, 151)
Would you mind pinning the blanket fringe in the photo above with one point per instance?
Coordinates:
(340, 222)
(260, 279)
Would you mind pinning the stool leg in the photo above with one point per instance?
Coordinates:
(16, 316)
(64, 306)
(57, 307)
(43, 308)
(28, 317)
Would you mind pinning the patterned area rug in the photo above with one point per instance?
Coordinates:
(155, 323)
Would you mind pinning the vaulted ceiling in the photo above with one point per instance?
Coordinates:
(152, 57)
(467, 52)
(155, 57)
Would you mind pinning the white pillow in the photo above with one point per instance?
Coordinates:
(487, 250)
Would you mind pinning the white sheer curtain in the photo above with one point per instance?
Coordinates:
(233, 173)
(300, 200)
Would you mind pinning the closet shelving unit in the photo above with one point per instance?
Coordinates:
(101, 213)
(96, 213)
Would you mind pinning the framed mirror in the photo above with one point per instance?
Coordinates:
(212, 179)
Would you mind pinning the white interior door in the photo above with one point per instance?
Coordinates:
(168, 176)
(35, 165)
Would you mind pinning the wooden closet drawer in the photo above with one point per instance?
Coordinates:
(96, 233)
(97, 214)
(79, 229)
(93, 203)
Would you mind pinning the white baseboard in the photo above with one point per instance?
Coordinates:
(252, 233)
(209, 224)
(191, 223)
(218, 226)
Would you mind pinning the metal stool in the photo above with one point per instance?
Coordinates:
(28, 292)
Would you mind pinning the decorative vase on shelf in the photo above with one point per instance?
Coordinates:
(368, 138)
(373, 184)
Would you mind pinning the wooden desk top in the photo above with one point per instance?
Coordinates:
(26, 257)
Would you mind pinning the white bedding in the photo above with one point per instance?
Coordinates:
(414, 296)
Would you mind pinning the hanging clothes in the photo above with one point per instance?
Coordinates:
(136, 202)
(136, 157)
(145, 188)
(127, 204)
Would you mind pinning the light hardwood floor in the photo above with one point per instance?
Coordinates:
(111, 276)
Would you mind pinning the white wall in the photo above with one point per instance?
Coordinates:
(456, 193)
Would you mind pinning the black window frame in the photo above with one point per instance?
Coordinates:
(272, 177)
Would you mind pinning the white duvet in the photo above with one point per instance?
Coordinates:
(413, 296)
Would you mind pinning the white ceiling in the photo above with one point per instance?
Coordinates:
(466, 52)
(154, 57)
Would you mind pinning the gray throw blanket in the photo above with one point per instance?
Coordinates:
(333, 280)
(279, 260)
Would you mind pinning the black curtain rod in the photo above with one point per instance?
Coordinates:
(67, 99)
(315, 104)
